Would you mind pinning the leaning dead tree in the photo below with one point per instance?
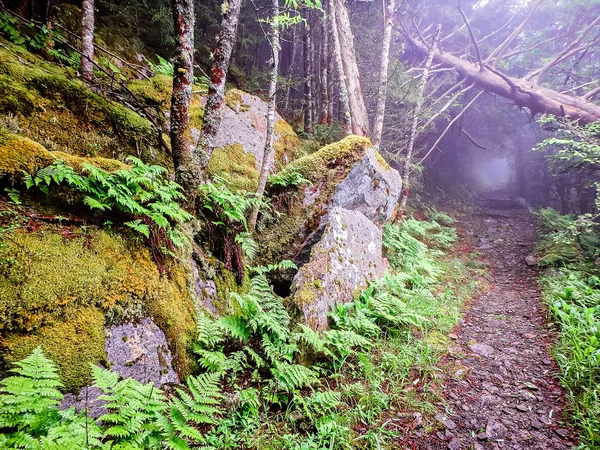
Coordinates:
(526, 92)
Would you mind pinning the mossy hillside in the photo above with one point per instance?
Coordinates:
(236, 166)
(73, 343)
(20, 154)
(325, 169)
(63, 113)
(53, 272)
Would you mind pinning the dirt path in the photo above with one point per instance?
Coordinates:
(505, 395)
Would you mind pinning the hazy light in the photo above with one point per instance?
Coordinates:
(492, 173)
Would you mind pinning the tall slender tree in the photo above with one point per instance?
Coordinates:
(213, 111)
(388, 21)
(87, 39)
(358, 110)
(182, 145)
(325, 118)
(308, 73)
(268, 154)
(345, 116)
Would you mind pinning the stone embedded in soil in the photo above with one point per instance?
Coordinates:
(482, 349)
(455, 444)
(495, 430)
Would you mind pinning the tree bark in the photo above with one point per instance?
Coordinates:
(268, 154)
(415, 122)
(388, 17)
(325, 117)
(213, 111)
(523, 93)
(344, 101)
(87, 39)
(290, 75)
(308, 72)
(358, 110)
(186, 173)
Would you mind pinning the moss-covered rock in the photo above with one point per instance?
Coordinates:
(325, 169)
(47, 275)
(234, 98)
(19, 154)
(74, 343)
(234, 165)
(286, 143)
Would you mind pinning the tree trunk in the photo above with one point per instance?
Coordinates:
(345, 116)
(87, 39)
(415, 122)
(522, 92)
(358, 111)
(388, 15)
(186, 173)
(308, 94)
(213, 111)
(269, 151)
(288, 91)
(325, 117)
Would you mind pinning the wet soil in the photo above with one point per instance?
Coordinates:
(504, 391)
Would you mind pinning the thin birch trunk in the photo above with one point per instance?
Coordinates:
(268, 154)
(308, 94)
(415, 123)
(183, 82)
(87, 39)
(344, 103)
(388, 15)
(213, 111)
(358, 110)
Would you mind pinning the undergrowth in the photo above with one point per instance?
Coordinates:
(568, 248)
(270, 383)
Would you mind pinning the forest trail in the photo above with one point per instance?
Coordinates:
(505, 393)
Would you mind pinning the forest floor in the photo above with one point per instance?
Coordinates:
(504, 392)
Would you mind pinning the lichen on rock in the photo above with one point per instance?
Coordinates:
(343, 262)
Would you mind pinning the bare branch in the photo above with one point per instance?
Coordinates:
(447, 105)
(499, 51)
(463, 131)
(592, 94)
(473, 40)
(452, 122)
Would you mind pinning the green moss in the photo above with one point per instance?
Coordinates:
(53, 275)
(155, 91)
(73, 344)
(306, 295)
(15, 98)
(69, 116)
(196, 117)
(18, 154)
(236, 166)
(346, 152)
(286, 144)
(234, 98)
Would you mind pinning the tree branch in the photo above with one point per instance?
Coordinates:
(452, 122)
(473, 40)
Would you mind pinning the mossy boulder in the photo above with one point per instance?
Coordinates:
(234, 165)
(348, 174)
(53, 278)
(244, 126)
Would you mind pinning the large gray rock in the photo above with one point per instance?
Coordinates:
(140, 351)
(372, 187)
(342, 263)
(134, 350)
(245, 122)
